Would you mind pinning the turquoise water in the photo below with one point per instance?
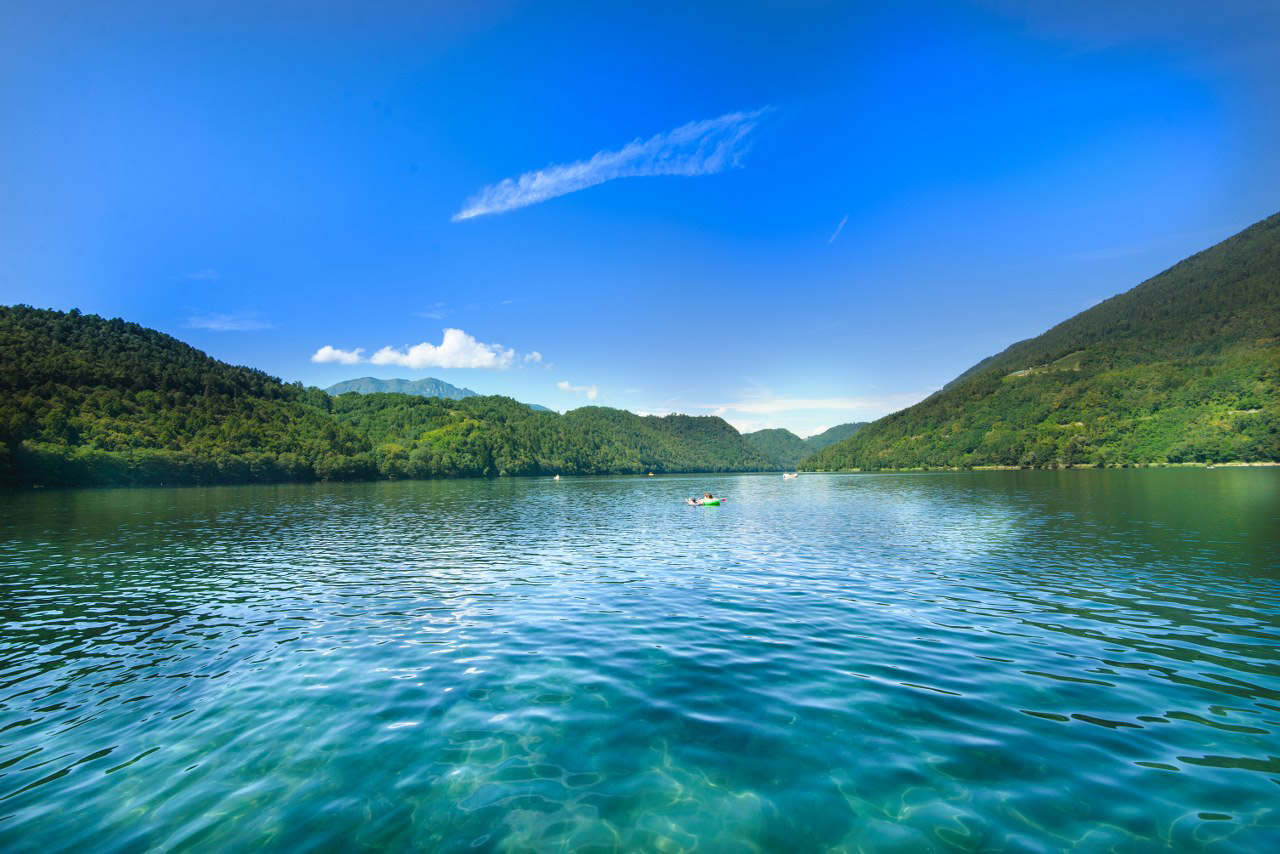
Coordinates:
(991, 661)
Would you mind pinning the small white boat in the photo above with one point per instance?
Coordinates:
(790, 474)
(557, 477)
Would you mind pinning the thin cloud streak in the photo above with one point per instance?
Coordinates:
(770, 405)
(839, 228)
(244, 321)
(698, 148)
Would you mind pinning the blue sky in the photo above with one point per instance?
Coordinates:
(792, 214)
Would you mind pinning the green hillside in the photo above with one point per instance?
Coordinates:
(780, 446)
(417, 437)
(833, 434)
(426, 387)
(1183, 368)
(785, 449)
(89, 401)
(85, 400)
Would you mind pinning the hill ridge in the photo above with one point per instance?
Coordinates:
(1184, 367)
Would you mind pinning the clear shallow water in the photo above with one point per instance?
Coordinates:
(995, 661)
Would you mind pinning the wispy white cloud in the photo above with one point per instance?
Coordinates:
(243, 321)
(591, 391)
(698, 148)
(333, 354)
(1151, 244)
(839, 228)
(436, 311)
(533, 356)
(772, 405)
(208, 274)
(456, 350)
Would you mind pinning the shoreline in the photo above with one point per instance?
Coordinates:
(9, 490)
(1236, 464)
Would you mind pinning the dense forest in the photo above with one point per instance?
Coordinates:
(1183, 368)
(430, 437)
(834, 434)
(88, 401)
(785, 449)
(782, 447)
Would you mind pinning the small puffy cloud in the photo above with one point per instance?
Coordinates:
(533, 356)
(333, 354)
(243, 321)
(589, 390)
(456, 350)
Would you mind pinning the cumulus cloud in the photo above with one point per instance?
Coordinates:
(698, 148)
(589, 390)
(456, 350)
(244, 321)
(333, 354)
(533, 356)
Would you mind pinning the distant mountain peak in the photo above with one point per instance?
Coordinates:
(425, 387)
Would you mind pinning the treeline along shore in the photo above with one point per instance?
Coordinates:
(1184, 368)
(90, 401)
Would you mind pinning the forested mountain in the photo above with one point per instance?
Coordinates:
(834, 434)
(782, 447)
(785, 449)
(1183, 368)
(431, 437)
(88, 400)
(426, 387)
(84, 400)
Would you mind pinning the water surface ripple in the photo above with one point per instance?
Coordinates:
(995, 661)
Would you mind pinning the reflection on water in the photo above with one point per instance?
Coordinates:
(979, 661)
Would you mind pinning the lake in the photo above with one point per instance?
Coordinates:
(981, 661)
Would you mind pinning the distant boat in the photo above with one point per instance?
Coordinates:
(650, 474)
(557, 477)
(790, 474)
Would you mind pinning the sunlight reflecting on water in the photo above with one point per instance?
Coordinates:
(982, 661)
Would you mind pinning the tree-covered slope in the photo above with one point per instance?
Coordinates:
(84, 401)
(1183, 368)
(430, 437)
(833, 434)
(425, 387)
(782, 447)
